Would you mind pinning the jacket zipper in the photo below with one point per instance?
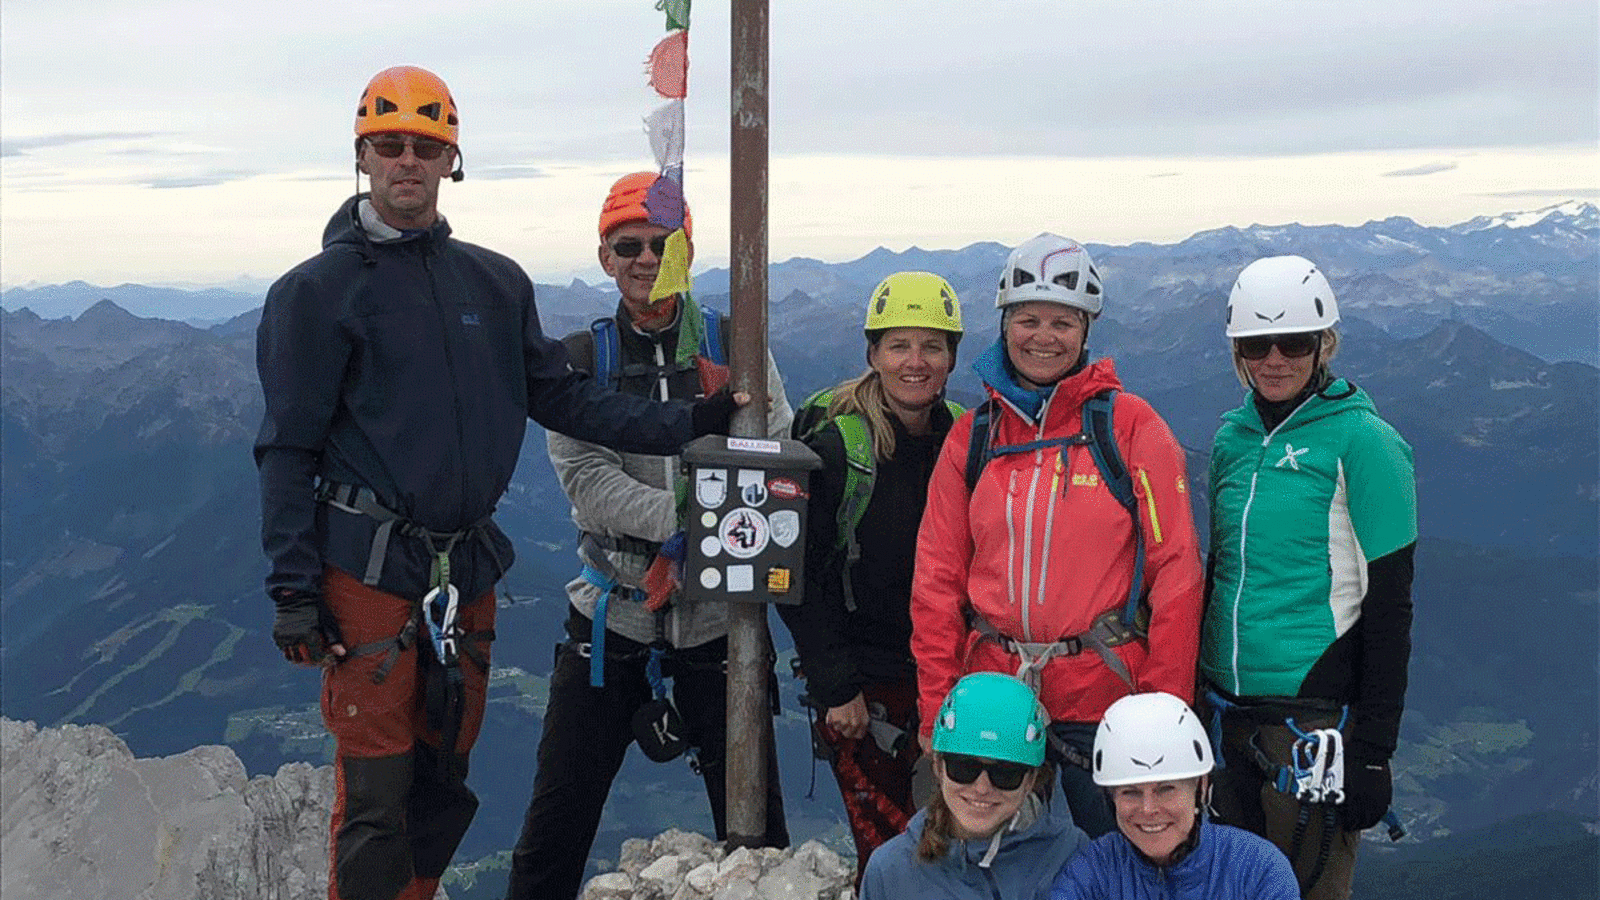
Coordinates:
(450, 366)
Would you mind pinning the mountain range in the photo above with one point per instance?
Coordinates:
(131, 564)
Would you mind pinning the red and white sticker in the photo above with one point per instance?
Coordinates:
(786, 489)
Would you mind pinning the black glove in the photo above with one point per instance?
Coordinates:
(304, 628)
(1367, 792)
(711, 414)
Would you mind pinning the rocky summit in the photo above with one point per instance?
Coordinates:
(678, 865)
(84, 818)
(81, 816)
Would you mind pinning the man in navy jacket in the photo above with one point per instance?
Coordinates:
(399, 367)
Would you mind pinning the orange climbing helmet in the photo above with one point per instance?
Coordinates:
(410, 100)
(627, 203)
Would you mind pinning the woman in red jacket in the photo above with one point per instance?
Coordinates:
(1027, 561)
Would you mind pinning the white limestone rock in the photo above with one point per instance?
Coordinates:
(82, 817)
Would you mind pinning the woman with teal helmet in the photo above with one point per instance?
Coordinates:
(988, 833)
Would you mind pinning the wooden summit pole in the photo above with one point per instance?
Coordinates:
(749, 717)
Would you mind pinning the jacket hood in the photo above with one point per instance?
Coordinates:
(356, 223)
(1065, 395)
(1046, 823)
(1340, 396)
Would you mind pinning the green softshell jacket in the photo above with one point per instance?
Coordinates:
(1313, 525)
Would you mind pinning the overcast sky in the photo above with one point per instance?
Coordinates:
(177, 140)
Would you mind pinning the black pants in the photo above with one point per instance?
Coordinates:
(587, 731)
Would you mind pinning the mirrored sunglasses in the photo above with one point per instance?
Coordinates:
(628, 248)
(425, 149)
(1292, 346)
(1005, 776)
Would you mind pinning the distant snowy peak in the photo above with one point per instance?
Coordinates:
(1573, 213)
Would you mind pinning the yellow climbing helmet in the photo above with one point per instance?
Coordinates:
(914, 300)
(410, 100)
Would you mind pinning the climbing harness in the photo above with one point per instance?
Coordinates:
(1105, 632)
(439, 609)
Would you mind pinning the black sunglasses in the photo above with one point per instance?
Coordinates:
(628, 248)
(1005, 776)
(425, 149)
(1293, 346)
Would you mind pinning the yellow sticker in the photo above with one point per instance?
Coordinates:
(777, 580)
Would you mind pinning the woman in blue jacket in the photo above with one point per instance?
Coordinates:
(1152, 756)
(987, 833)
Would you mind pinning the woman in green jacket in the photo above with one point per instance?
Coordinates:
(1307, 631)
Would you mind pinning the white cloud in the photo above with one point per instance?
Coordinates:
(241, 117)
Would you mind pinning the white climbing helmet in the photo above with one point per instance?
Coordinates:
(1281, 295)
(1051, 267)
(1150, 737)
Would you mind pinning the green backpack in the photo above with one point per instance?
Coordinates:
(860, 471)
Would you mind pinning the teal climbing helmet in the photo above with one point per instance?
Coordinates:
(994, 716)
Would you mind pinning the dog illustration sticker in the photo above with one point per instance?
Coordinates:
(744, 533)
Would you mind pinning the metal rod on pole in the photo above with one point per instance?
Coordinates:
(749, 665)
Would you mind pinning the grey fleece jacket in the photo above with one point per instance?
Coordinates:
(631, 495)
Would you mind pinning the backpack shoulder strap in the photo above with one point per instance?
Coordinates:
(607, 351)
(1099, 424)
(859, 473)
(711, 343)
(978, 448)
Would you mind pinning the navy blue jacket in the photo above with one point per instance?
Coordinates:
(1228, 864)
(409, 363)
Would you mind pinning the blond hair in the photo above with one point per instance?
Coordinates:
(864, 396)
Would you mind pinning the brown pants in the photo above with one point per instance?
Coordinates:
(399, 810)
(1243, 797)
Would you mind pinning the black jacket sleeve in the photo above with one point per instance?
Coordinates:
(301, 353)
(1385, 655)
(564, 399)
(820, 624)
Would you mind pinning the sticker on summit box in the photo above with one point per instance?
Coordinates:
(785, 527)
(744, 533)
(754, 445)
(785, 489)
(711, 487)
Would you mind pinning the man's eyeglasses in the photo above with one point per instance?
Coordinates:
(1293, 346)
(1005, 776)
(425, 149)
(628, 248)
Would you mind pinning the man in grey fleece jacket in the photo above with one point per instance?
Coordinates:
(624, 506)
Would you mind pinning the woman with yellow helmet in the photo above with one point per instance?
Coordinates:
(878, 435)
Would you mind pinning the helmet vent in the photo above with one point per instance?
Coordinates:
(1020, 277)
(1068, 280)
(1199, 751)
(431, 110)
(1318, 301)
(383, 106)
